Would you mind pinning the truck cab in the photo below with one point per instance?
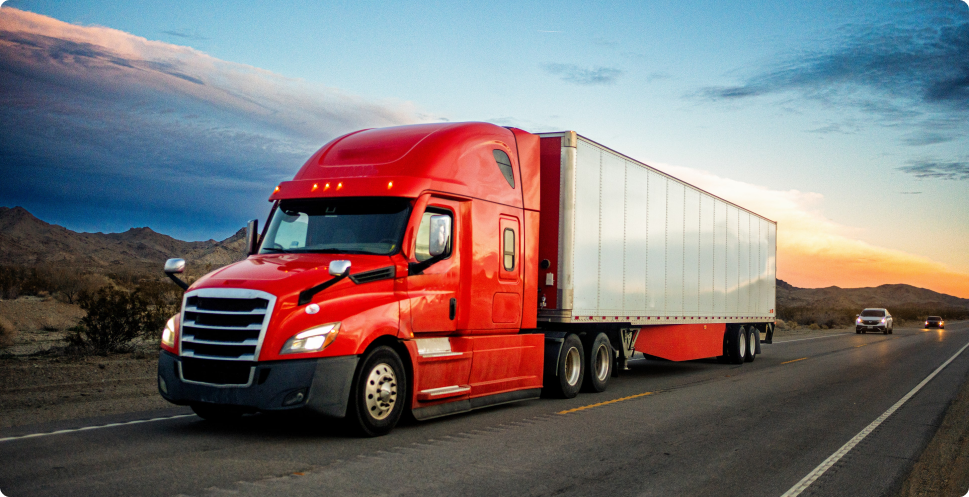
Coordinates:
(396, 271)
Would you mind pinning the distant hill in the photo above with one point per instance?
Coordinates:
(26, 240)
(887, 296)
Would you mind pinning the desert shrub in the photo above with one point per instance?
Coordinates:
(164, 300)
(114, 318)
(70, 285)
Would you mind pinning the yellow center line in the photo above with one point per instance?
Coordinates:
(613, 401)
(862, 345)
(795, 360)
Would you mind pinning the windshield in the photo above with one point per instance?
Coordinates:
(870, 313)
(360, 225)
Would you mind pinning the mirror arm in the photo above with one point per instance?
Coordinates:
(415, 268)
(307, 295)
(178, 281)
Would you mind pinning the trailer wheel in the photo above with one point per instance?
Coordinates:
(751, 344)
(599, 364)
(567, 380)
(218, 413)
(736, 339)
(379, 392)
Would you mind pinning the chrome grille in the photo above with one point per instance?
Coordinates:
(225, 324)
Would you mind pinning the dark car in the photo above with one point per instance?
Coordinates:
(934, 322)
(874, 320)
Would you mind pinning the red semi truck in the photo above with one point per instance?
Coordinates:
(439, 268)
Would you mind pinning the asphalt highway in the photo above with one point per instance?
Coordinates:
(662, 428)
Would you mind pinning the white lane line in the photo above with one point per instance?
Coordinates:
(834, 458)
(812, 338)
(86, 428)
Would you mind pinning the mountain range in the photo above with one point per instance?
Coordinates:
(26, 240)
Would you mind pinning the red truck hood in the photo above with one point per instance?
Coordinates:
(281, 274)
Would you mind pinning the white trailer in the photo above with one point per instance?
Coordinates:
(637, 249)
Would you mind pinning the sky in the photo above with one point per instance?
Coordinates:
(847, 122)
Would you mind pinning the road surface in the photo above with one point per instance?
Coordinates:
(662, 428)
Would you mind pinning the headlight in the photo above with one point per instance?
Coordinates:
(168, 334)
(883, 320)
(314, 339)
(858, 320)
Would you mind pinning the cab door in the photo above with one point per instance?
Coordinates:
(433, 293)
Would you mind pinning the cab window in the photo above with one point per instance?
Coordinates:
(422, 248)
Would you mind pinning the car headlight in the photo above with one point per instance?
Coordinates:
(314, 339)
(883, 320)
(858, 320)
(168, 334)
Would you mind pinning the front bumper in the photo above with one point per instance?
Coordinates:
(870, 327)
(274, 385)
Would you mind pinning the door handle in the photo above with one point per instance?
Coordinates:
(453, 309)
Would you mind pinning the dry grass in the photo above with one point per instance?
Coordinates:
(8, 334)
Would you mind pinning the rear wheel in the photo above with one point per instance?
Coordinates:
(599, 364)
(569, 371)
(736, 340)
(379, 392)
(218, 413)
(751, 344)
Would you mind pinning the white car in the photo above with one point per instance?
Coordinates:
(874, 320)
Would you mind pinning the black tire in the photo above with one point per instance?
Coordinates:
(857, 331)
(886, 331)
(599, 364)
(752, 338)
(735, 340)
(218, 413)
(570, 367)
(379, 393)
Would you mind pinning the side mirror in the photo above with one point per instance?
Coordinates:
(338, 268)
(440, 235)
(173, 267)
(252, 237)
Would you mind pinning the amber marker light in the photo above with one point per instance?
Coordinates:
(339, 185)
(276, 190)
(315, 186)
(326, 186)
(390, 184)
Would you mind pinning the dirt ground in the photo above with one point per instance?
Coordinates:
(41, 382)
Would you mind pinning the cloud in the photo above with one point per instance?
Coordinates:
(581, 76)
(956, 171)
(913, 67)
(98, 120)
(813, 251)
(184, 33)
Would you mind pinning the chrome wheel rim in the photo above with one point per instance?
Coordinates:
(381, 391)
(602, 362)
(751, 342)
(743, 344)
(573, 366)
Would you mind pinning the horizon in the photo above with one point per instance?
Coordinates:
(845, 122)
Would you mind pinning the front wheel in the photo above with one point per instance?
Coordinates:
(379, 392)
